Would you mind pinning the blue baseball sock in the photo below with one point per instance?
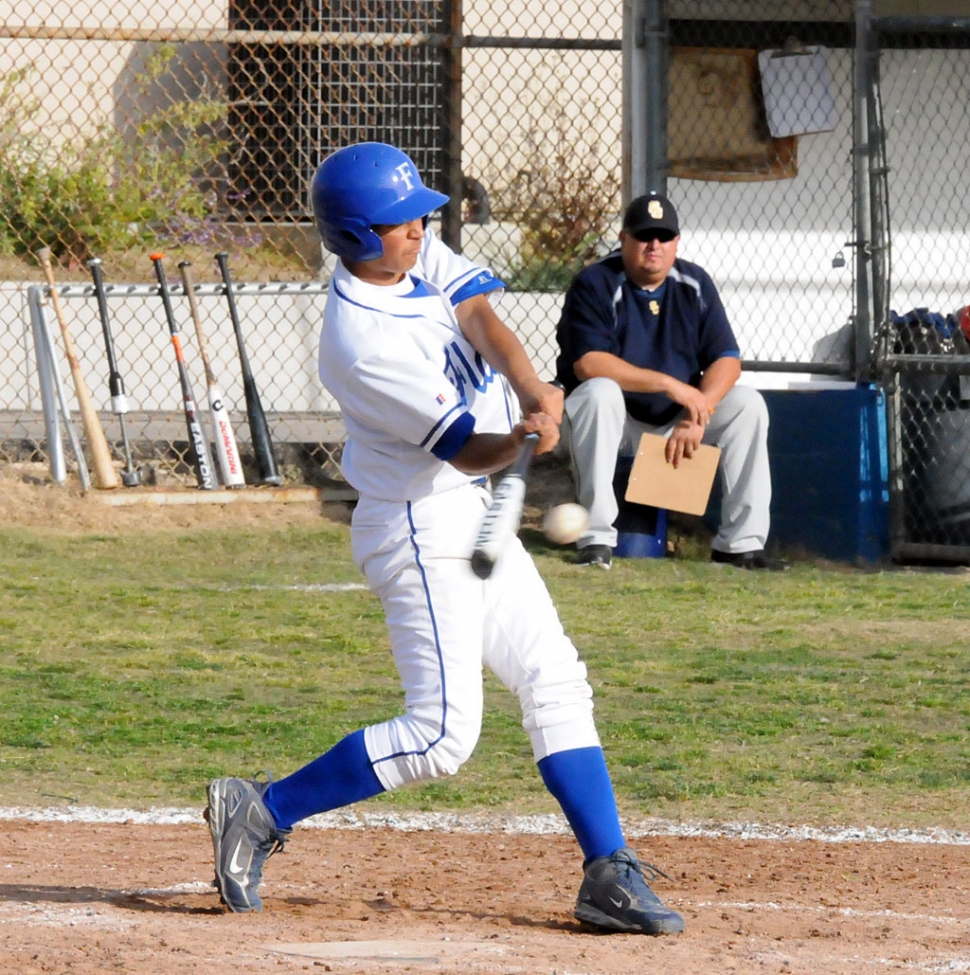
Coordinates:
(581, 784)
(337, 778)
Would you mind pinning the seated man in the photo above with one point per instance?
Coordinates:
(645, 346)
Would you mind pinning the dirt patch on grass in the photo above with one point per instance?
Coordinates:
(30, 499)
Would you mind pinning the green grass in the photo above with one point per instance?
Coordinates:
(134, 667)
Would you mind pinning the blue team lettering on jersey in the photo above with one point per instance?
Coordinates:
(462, 373)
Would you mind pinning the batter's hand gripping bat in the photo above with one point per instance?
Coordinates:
(130, 476)
(105, 475)
(258, 427)
(203, 462)
(227, 453)
(501, 521)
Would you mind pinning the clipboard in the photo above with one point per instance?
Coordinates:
(686, 488)
(797, 89)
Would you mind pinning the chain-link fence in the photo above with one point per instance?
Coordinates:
(921, 70)
(197, 129)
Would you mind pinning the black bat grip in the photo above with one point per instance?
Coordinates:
(116, 385)
(524, 459)
(97, 276)
(222, 259)
(156, 259)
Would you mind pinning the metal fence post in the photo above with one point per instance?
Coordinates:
(860, 188)
(451, 53)
(644, 98)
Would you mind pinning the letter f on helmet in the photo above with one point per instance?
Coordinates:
(362, 186)
(408, 174)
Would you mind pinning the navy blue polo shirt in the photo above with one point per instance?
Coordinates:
(679, 329)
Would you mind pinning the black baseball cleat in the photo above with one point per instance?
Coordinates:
(749, 560)
(601, 555)
(615, 896)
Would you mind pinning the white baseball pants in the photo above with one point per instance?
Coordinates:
(445, 624)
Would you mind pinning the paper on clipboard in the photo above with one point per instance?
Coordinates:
(684, 488)
(797, 89)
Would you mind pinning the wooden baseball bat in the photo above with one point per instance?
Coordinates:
(105, 475)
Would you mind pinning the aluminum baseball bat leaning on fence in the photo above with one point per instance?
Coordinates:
(130, 476)
(202, 462)
(255, 415)
(227, 453)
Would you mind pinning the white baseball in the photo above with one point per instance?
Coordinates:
(563, 524)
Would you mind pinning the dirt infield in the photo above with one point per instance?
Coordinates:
(89, 899)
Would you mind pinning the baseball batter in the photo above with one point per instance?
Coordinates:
(432, 385)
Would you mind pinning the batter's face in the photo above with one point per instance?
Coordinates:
(402, 243)
(648, 262)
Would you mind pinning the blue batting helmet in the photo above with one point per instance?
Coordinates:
(361, 186)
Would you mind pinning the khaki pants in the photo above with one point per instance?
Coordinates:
(597, 429)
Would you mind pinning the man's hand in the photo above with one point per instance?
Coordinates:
(486, 453)
(539, 397)
(693, 401)
(545, 425)
(683, 442)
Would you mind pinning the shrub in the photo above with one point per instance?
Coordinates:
(106, 191)
(564, 203)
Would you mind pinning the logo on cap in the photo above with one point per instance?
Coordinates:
(655, 209)
(406, 173)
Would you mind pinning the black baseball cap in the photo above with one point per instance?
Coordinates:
(649, 213)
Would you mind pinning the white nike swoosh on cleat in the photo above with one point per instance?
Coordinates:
(235, 867)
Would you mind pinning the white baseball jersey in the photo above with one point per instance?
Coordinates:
(453, 273)
(410, 386)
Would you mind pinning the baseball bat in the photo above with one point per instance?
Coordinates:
(227, 453)
(45, 350)
(105, 475)
(203, 462)
(258, 427)
(501, 521)
(130, 476)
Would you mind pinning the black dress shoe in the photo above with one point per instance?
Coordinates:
(749, 560)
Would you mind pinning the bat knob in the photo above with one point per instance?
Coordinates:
(482, 565)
